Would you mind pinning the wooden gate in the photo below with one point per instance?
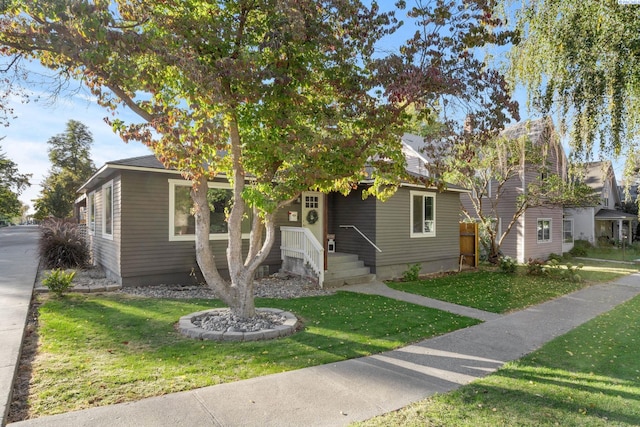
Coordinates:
(469, 244)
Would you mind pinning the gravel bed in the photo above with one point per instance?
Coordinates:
(224, 321)
(282, 286)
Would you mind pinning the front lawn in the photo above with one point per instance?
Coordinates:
(628, 253)
(588, 377)
(497, 292)
(104, 349)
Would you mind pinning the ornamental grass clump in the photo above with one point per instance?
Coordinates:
(59, 281)
(62, 245)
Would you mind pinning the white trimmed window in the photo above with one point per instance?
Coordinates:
(107, 210)
(544, 230)
(567, 230)
(91, 215)
(182, 222)
(423, 214)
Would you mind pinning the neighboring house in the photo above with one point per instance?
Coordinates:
(539, 231)
(628, 193)
(141, 230)
(604, 221)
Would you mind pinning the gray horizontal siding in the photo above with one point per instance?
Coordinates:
(554, 164)
(393, 235)
(535, 249)
(106, 252)
(352, 210)
(281, 219)
(146, 250)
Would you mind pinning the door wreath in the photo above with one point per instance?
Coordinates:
(312, 216)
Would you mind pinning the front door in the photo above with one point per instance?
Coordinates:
(313, 214)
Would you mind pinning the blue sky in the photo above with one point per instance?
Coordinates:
(26, 136)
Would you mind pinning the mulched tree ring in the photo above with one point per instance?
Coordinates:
(219, 324)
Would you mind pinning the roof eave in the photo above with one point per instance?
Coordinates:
(108, 168)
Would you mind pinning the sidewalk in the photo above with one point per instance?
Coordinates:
(18, 269)
(340, 393)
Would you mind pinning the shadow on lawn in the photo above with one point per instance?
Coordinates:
(532, 408)
(595, 384)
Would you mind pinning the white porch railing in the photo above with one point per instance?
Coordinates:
(299, 242)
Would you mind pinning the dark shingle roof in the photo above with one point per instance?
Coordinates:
(538, 130)
(610, 214)
(149, 161)
(416, 164)
(595, 174)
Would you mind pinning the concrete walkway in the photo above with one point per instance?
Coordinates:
(340, 393)
(18, 269)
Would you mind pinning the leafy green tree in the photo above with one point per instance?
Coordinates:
(580, 58)
(69, 153)
(12, 183)
(70, 150)
(493, 171)
(289, 92)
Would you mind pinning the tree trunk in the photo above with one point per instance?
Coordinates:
(244, 304)
(204, 255)
(238, 292)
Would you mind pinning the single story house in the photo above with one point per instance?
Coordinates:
(141, 231)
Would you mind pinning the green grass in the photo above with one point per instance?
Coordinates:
(629, 253)
(103, 349)
(588, 377)
(496, 292)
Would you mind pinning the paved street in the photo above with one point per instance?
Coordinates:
(18, 268)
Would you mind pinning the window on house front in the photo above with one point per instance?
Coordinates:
(544, 230)
(423, 214)
(567, 231)
(107, 210)
(91, 216)
(182, 220)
